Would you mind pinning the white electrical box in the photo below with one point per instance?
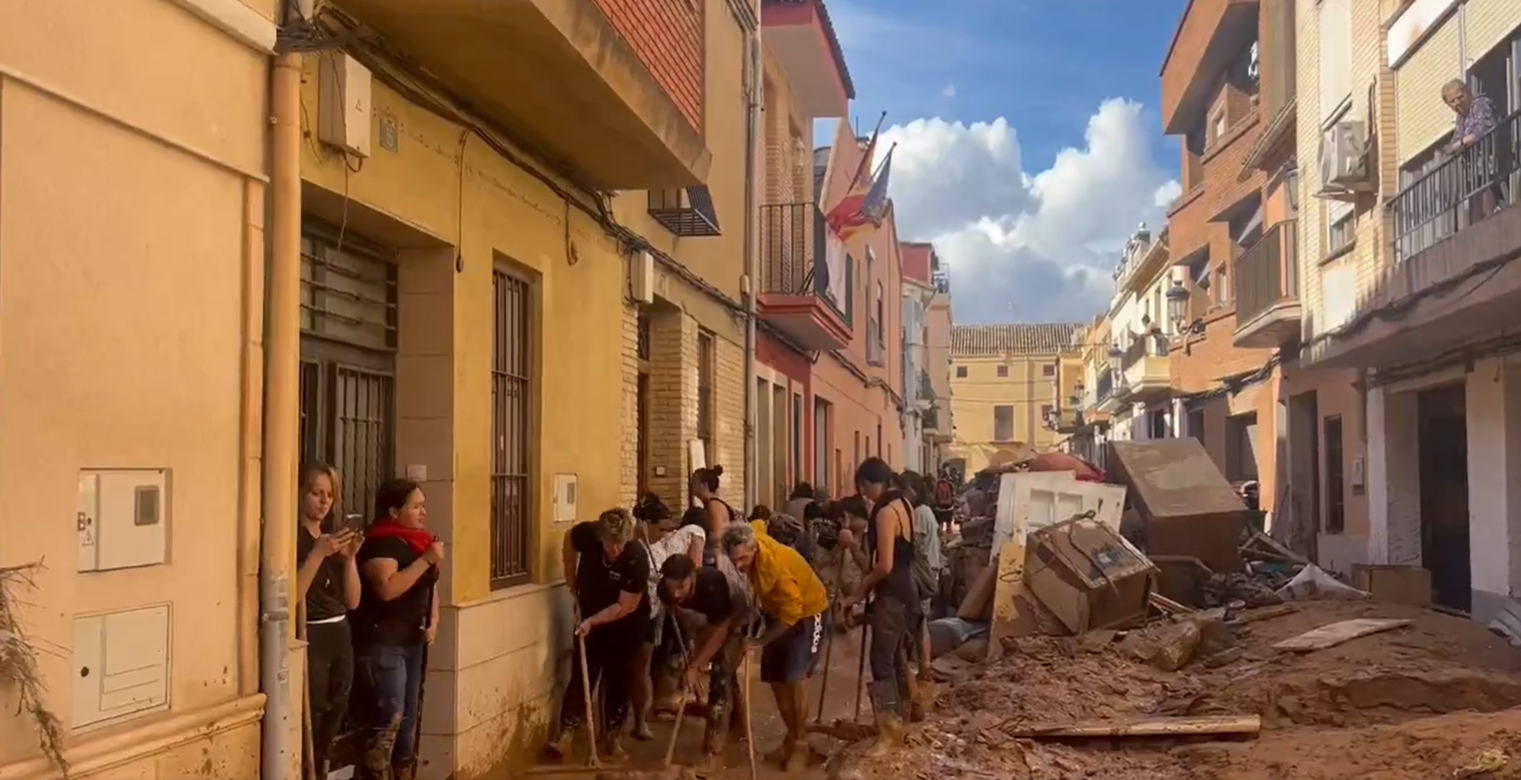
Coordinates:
(565, 498)
(343, 115)
(123, 519)
(121, 664)
(641, 276)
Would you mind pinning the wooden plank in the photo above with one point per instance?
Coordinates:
(1268, 613)
(1337, 633)
(1148, 727)
(1169, 606)
(1007, 588)
(1272, 545)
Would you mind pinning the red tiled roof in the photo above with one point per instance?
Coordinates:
(1044, 338)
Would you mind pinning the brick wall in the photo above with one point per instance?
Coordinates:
(673, 403)
(729, 418)
(667, 36)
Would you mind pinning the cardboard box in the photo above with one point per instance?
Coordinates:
(1395, 584)
(1088, 575)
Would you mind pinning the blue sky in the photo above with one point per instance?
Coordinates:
(1010, 158)
(1044, 64)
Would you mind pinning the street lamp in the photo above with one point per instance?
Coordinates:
(1177, 303)
(1116, 358)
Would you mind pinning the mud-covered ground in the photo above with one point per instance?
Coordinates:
(1430, 700)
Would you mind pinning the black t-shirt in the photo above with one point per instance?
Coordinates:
(601, 581)
(400, 621)
(324, 599)
(710, 596)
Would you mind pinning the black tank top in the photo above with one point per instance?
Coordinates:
(900, 581)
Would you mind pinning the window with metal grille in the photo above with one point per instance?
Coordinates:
(643, 335)
(705, 395)
(348, 344)
(511, 418)
(1336, 499)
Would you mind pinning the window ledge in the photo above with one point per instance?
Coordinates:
(1339, 253)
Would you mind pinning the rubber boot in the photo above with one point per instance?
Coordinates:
(612, 746)
(888, 708)
(916, 704)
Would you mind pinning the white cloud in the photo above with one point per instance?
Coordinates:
(949, 91)
(1023, 247)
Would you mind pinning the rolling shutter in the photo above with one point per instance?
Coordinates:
(1423, 119)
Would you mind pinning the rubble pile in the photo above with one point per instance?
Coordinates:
(1216, 654)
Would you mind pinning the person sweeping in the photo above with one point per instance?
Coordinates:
(705, 594)
(795, 606)
(608, 573)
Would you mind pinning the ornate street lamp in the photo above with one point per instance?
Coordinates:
(1177, 304)
(1116, 359)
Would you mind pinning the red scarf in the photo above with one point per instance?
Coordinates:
(385, 528)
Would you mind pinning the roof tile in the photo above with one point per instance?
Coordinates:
(1045, 338)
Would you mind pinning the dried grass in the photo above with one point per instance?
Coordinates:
(18, 662)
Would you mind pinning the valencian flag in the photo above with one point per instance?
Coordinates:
(849, 207)
(873, 207)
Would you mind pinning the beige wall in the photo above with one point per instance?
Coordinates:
(1026, 389)
(492, 673)
(131, 245)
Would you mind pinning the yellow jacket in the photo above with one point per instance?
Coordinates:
(786, 587)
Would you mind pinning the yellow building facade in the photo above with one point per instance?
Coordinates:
(1006, 384)
(444, 288)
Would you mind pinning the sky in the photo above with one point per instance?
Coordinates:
(1029, 146)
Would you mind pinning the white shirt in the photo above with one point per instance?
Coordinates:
(677, 541)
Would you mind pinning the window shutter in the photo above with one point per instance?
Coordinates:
(1335, 23)
(1422, 116)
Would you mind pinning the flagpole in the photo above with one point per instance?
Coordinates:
(878, 170)
(866, 159)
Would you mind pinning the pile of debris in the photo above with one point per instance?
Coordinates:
(1218, 653)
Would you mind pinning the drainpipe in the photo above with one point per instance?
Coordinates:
(752, 265)
(281, 753)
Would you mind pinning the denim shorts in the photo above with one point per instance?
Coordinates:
(795, 655)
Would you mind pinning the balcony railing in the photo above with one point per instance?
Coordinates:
(793, 252)
(1150, 345)
(1459, 191)
(1105, 389)
(926, 387)
(1267, 273)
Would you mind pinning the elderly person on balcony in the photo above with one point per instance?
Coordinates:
(1476, 119)
(1476, 115)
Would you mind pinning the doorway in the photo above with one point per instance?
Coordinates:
(1443, 461)
(348, 359)
(1305, 525)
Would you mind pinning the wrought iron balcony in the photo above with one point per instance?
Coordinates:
(686, 212)
(1267, 289)
(799, 284)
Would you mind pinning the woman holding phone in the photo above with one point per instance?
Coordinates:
(328, 583)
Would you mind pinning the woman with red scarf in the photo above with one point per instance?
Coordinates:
(396, 619)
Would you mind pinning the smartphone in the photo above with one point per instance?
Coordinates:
(354, 523)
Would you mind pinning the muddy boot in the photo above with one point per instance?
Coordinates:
(405, 769)
(612, 747)
(710, 765)
(377, 756)
(560, 745)
(888, 708)
(916, 706)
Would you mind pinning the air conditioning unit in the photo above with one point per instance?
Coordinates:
(1344, 157)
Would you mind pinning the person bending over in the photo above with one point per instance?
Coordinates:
(795, 605)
